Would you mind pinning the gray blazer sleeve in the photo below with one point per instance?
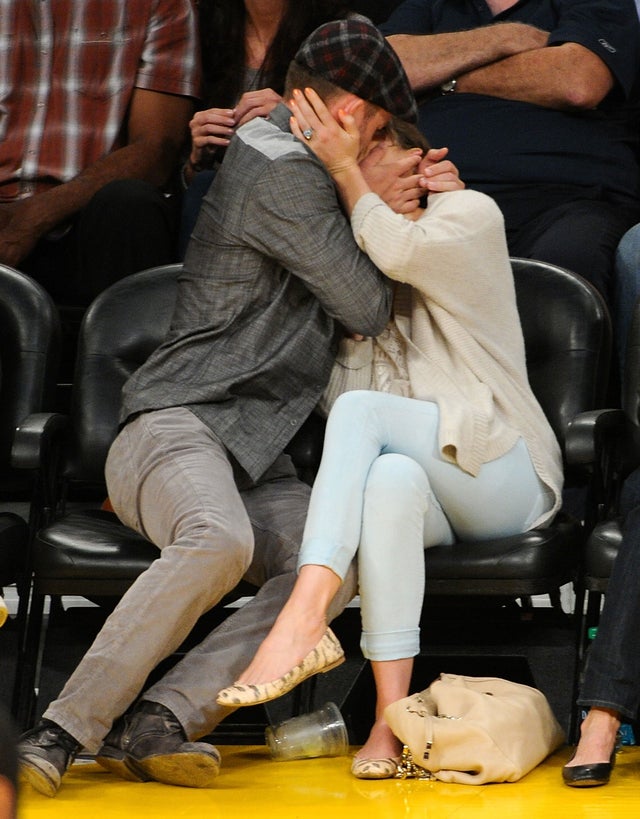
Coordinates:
(303, 227)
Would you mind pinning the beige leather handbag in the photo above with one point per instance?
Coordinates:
(474, 730)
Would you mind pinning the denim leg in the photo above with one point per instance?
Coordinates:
(170, 478)
(401, 516)
(504, 498)
(277, 510)
(626, 289)
(612, 675)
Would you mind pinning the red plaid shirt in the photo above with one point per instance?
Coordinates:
(67, 72)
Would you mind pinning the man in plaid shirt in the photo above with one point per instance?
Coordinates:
(92, 92)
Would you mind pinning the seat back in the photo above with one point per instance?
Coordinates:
(567, 334)
(119, 331)
(29, 354)
(565, 322)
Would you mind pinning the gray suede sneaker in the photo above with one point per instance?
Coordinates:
(44, 753)
(150, 744)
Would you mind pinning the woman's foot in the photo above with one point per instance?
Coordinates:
(286, 645)
(287, 657)
(593, 759)
(298, 629)
(380, 756)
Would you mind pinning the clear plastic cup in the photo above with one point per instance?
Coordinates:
(320, 733)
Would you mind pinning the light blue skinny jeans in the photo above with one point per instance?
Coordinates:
(383, 490)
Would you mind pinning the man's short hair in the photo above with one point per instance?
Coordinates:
(299, 77)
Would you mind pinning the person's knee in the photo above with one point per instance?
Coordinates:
(628, 253)
(353, 409)
(230, 542)
(394, 481)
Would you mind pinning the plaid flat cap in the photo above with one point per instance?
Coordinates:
(353, 54)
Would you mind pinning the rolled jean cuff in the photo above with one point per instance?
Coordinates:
(602, 702)
(383, 646)
(316, 552)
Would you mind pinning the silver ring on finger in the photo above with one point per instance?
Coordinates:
(307, 133)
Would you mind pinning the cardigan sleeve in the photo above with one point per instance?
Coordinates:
(451, 226)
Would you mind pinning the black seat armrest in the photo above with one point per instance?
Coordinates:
(590, 433)
(36, 437)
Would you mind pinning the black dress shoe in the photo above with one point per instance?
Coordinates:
(150, 744)
(44, 753)
(588, 776)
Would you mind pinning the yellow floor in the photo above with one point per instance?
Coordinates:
(252, 785)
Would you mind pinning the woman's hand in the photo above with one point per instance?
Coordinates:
(214, 127)
(254, 104)
(439, 174)
(393, 173)
(210, 129)
(336, 144)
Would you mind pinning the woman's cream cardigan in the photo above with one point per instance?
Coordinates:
(455, 338)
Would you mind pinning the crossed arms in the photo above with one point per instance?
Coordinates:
(507, 60)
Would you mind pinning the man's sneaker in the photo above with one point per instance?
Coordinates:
(149, 743)
(45, 752)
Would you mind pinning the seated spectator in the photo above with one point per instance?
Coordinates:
(611, 685)
(95, 109)
(537, 102)
(246, 50)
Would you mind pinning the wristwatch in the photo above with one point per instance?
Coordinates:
(449, 86)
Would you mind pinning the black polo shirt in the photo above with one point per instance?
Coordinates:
(506, 147)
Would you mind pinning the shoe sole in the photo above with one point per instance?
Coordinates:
(44, 776)
(586, 783)
(121, 766)
(191, 769)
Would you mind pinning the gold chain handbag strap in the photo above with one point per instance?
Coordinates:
(407, 769)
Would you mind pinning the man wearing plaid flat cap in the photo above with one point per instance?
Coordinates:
(272, 280)
(353, 56)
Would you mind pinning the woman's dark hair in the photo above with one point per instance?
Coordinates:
(407, 135)
(222, 34)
